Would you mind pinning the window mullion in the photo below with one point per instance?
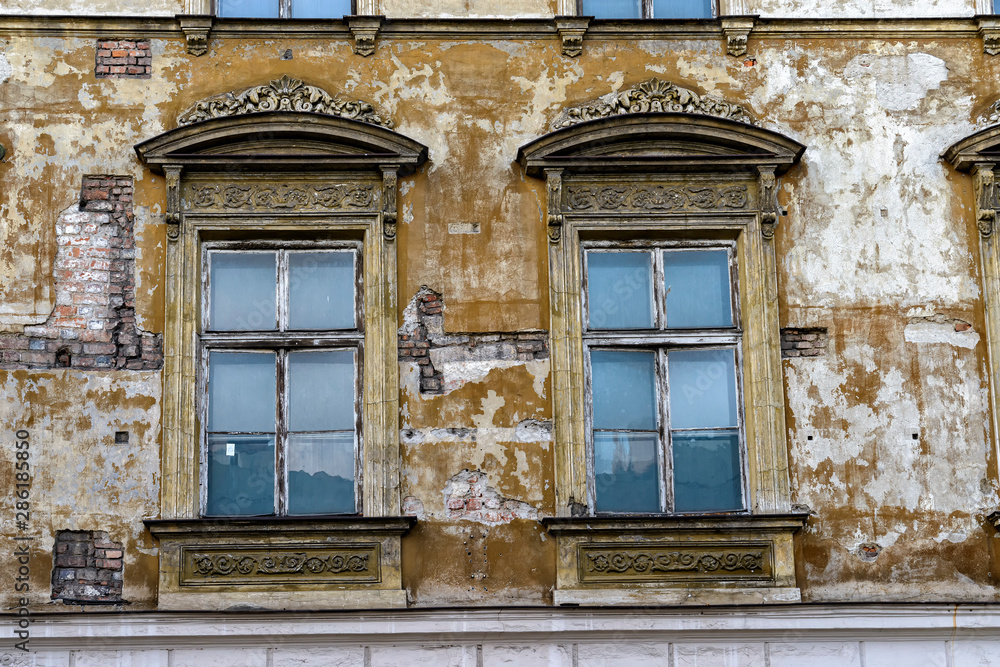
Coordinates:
(281, 436)
(647, 9)
(666, 452)
(285, 9)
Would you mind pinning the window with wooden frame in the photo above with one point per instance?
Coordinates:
(285, 9)
(662, 345)
(647, 9)
(282, 343)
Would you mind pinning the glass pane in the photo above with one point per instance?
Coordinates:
(613, 9)
(698, 289)
(241, 388)
(707, 471)
(320, 9)
(321, 473)
(252, 9)
(702, 388)
(240, 474)
(321, 290)
(682, 9)
(619, 288)
(625, 468)
(244, 287)
(321, 391)
(623, 390)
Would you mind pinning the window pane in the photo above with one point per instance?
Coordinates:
(244, 286)
(320, 9)
(321, 391)
(682, 9)
(254, 9)
(321, 290)
(625, 468)
(698, 289)
(619, 288)
(707, 471)
(702, 388)
(240, 474)
(623, 390)
(241, 389)
(321, 473)
(613, 9)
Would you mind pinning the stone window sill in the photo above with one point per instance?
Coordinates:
(280, 563)
(674, 560)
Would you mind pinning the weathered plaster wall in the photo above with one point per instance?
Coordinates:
(878, 241)
(470, 8)
(93, 7)
(848, 9)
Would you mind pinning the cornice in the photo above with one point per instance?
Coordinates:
(534, 28)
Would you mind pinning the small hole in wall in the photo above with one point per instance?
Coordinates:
(286, 54)
(916, 437)
(121, 437)
(63, 358)
(809, 437)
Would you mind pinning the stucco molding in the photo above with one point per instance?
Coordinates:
(364, 30)
(656, 96)
(737, 32)
(989, 32)
(284, 94)
(196, 30)
(572, 30)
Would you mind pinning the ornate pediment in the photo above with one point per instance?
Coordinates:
(653, 96)
(284, 94)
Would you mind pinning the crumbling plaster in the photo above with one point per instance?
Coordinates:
(878, 232)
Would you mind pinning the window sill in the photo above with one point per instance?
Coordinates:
(676, 560)
(280, 563)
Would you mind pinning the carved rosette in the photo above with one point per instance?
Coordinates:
(655, 96)
(655, 198)
(278, 197)
(665, 563)
(284, 94)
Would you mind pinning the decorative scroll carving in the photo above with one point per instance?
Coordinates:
(992, 115)
(737, 31)
(987, 200)
(284, 94)
(365, 32)
(236, 565)
(624, 197)
(768, 203)
(571, 30)
(173, 216)
(390, 178)
(284, 197)
(554, 183)
(654, 95)
(604, 564)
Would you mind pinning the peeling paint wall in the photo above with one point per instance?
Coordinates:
(888, 431)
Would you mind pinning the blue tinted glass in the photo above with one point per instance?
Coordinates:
(241, 391)
(249, 9)
(613, 9)
(698, 288)
(682, 9)
(702, 388)
(244, 285)
(625, 472)
(619, 288)
(321, 391)
(240, 474)
(321, 290)
(623, 390)
(321, 473)
(707, 471)
(320, 9)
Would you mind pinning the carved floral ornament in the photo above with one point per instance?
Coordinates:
(284, 94)
(656, 96)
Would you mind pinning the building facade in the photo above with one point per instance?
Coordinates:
(463, 332)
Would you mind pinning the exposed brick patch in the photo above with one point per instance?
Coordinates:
(423, 332)
(87, 568)
(467, 496)
(810, 342)
(92, 326)
(123, 59)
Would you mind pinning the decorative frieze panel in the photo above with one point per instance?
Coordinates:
(656, 96)
(667, 562)
(358, 563)
(603, 198)
(282, 197)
